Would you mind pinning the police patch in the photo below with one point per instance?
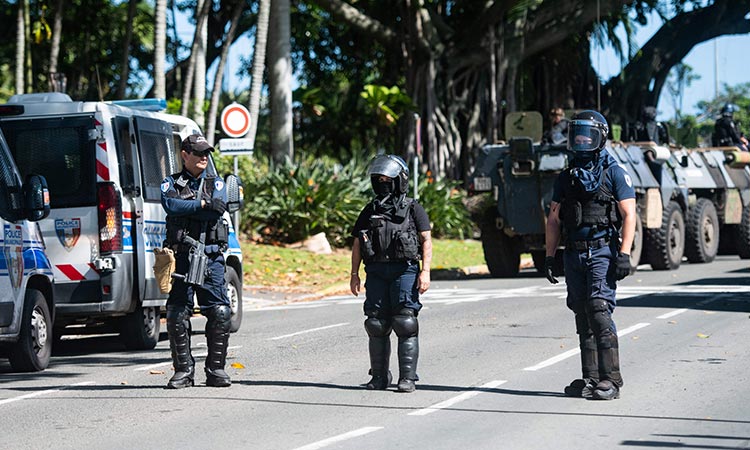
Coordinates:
(628, 180)
(165, 186)
(219, 185)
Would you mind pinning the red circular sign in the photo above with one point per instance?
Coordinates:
(235, 120)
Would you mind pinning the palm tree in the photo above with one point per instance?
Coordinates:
(280, 81)
(20, 47)
(259, 58)
(199, 88)
(202, 14)
(160, 48)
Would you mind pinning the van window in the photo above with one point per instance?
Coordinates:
(59, 149)
(158, 156)
(9, 186)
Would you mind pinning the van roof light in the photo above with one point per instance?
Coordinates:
(145, 104)
(41, 97)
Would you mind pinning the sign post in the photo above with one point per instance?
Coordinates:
(235, 122)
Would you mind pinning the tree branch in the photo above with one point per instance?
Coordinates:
(357, 19)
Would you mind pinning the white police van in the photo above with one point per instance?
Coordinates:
(26, 293)
(104, 163)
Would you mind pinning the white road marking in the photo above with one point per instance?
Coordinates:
(339, 438)
(575, 351)
(195, 355)
(672, 314)
(46, 391)
(309, 331)
(459, 398)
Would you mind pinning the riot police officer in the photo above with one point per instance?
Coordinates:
(195, 201)
(392, 234)
(558, 132)
(725, 130)
(593, 203)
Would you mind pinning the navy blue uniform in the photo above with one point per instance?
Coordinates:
(213, 291)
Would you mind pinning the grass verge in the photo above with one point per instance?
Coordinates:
(281, 268)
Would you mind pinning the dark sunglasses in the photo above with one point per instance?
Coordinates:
(200, 154)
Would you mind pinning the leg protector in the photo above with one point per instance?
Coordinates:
(379, 332)
(606, 342)
(406, 326)
(178, 327)
(584, 386)
(217, 338)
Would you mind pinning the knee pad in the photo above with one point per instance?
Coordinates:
(218, 316)
(377, 327)
(582, 324)
(601, 319)
(405, 323)
(178, 313)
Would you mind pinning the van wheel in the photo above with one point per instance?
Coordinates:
(139, 330)
(501, 252)
(32, 351)
(234, 292)
(702, 241)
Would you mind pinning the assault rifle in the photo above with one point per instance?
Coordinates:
(198, 260)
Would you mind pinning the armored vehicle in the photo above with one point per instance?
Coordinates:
(520, 174)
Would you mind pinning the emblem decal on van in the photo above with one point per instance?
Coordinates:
(13, 252)
(68, 231)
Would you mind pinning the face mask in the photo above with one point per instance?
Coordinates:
(383, 188)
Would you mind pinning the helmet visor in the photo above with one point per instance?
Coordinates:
(585, 136)
(385, 165)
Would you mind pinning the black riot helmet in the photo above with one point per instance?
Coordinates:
(728, 110)
(393, 167)
(587, 132)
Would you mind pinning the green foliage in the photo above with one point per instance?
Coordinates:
(443, 201)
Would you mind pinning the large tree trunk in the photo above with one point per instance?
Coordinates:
(201, 15)
(20, 47)
(259, 59)
(122, 86)
(216, 91)
(280, 81)
(199, 87)
(160, 48)
(55, 80)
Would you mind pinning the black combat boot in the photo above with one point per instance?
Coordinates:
(408, 354)
(178, 327)
(584, 386)
(609, 369)
(380, 354)
(217, 338)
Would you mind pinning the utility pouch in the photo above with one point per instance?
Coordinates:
(366, 245)
(572, 214)
(378, 244)
(196, 273)
(164, 265)
(407, 246)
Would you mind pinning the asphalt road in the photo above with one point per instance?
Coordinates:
(495, 356)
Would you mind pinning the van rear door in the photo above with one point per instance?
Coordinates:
(156, 157)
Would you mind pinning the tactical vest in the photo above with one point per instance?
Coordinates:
(598, 211)
(217, 231)
(391, 239)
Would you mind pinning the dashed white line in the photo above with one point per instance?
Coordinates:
(46, 391)
(339, 438)
(459, 398)
(575, 351)
(309, 331)
(165, 363)
(672, 314)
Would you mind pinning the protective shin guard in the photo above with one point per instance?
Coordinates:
(406, 326)
(584, 387)
(379, 346)
(217, 338)
(609, 368)
(178, 328)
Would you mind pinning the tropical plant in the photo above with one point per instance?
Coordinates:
(444, 202)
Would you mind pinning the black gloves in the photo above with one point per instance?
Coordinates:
(217, 204)
(622, 266)
(549, 263)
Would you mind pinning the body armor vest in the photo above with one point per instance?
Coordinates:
(391, 237)
(598, 210)
(217, 231)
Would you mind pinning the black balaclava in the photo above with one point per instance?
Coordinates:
(383, 188)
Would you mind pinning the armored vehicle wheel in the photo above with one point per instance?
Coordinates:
(666, 245)
(34, 347)
(501, 253)
(234, 292)
(637, 248)
(139, 330)
(702, 239)
(743, 244)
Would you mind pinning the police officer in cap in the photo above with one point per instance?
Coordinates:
(195, 201)
(725, 130)
(392, 234)
(593, 206)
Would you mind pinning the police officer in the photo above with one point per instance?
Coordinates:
(392, 234)
(195, 201)
(648, 129)
(593, 203)
(558, 132)
(725, 130)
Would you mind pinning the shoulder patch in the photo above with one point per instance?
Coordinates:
(218, 184)
(628, 180)
(165, 185)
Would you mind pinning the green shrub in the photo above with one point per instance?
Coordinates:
(443, 201)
